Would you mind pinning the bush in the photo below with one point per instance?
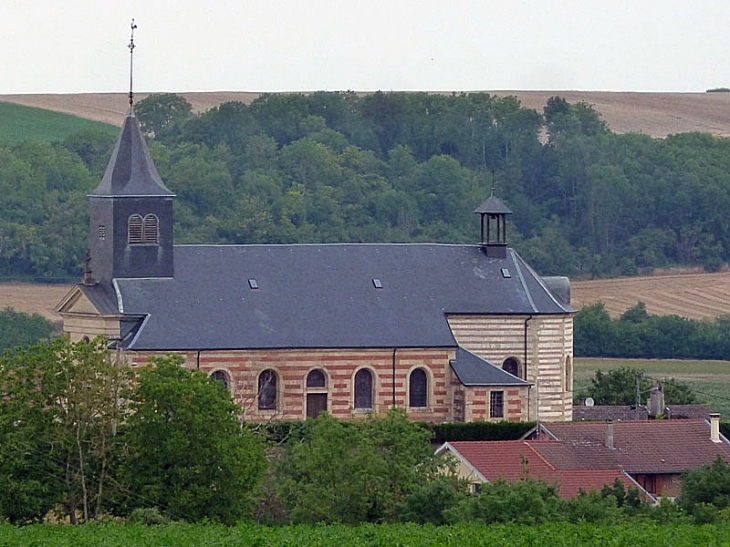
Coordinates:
(147, 516)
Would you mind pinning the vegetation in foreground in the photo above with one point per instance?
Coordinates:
(190, 535)
(84, 439)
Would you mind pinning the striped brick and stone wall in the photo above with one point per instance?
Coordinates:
(542, 345)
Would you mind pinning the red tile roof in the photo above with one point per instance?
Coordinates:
(515, 460)
(658, 446)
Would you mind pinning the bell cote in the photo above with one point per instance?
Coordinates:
(493, 220)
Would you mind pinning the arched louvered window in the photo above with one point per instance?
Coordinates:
(221, 376)
(418, 387)
(267, 390)
(364, 389)
(316, 378)
(143, 230)
(151, 233)
(135, 234)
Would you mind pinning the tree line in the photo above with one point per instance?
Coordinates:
(84, 436)
(388, 167)
(638, 334)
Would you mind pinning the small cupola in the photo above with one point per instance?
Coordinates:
(493, 216)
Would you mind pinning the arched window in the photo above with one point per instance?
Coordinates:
(267, 390)
(512, 366)
(364, 389)
(135, 233)
(418, 386)
(143, 230)
(221, 376)
(316, 378)
(151, 229)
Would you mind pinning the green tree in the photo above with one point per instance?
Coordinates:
(62, 404)
(160, 114)
(356, 472)
(23, 329)
(707, 485)
(621, 386)
(188, 453)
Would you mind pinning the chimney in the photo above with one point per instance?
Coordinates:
(715, 427)
(609, 435)
(656, 401)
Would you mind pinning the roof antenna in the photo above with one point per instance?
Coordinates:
(131, 64)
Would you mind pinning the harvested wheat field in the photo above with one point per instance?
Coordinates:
(654, 114)
(38, 298)
(692, 295)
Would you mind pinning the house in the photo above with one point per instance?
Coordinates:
(449, 332)
(654, 453)
(480, 462)
(650, 456)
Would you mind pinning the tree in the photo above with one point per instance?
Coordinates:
(621, 386)
(62, 403)
(707, 485)
(188, 454)
(160, 114)
(22, 329)
(356, 472)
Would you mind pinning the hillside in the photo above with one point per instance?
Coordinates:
(655, 114)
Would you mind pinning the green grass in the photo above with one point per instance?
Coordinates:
(21, 123)
(709, 380)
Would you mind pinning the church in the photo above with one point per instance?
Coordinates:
(450, 333)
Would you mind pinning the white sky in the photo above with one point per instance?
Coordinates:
(74, 46)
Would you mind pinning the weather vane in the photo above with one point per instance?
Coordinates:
(131, 64)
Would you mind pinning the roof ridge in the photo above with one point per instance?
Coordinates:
(551, 466)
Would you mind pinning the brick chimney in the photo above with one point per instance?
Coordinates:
(715, 427)
(609, 435)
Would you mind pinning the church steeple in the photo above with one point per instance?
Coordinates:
(131, 212)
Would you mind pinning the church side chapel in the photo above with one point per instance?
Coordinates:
(449, 332)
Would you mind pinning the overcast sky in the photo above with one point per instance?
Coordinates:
(73, 46)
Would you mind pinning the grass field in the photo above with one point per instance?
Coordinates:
(709, 380)
(20, 123)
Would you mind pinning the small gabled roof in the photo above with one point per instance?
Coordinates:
(130, 171)
(656, 446)
(472, 370)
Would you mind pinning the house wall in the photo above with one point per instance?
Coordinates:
(546, 360)
(472, 403)
(78, 325)
(340, 366)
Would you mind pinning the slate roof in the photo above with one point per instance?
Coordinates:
(622, 413)
(493, 205)
(472, 370)
(130, 171)
(324, 296)
(657, 446)
(516, 460)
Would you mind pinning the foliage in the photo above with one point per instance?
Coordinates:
(356, 472)
(637, 534)
(638, 334)
(328, 167)
(479, 431)
(188, 454)
(706, 490)
(23, 329)
(622, 386)
(526, 501)
(161, 114)
(61, 405)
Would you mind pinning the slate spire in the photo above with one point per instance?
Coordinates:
(131, 171)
